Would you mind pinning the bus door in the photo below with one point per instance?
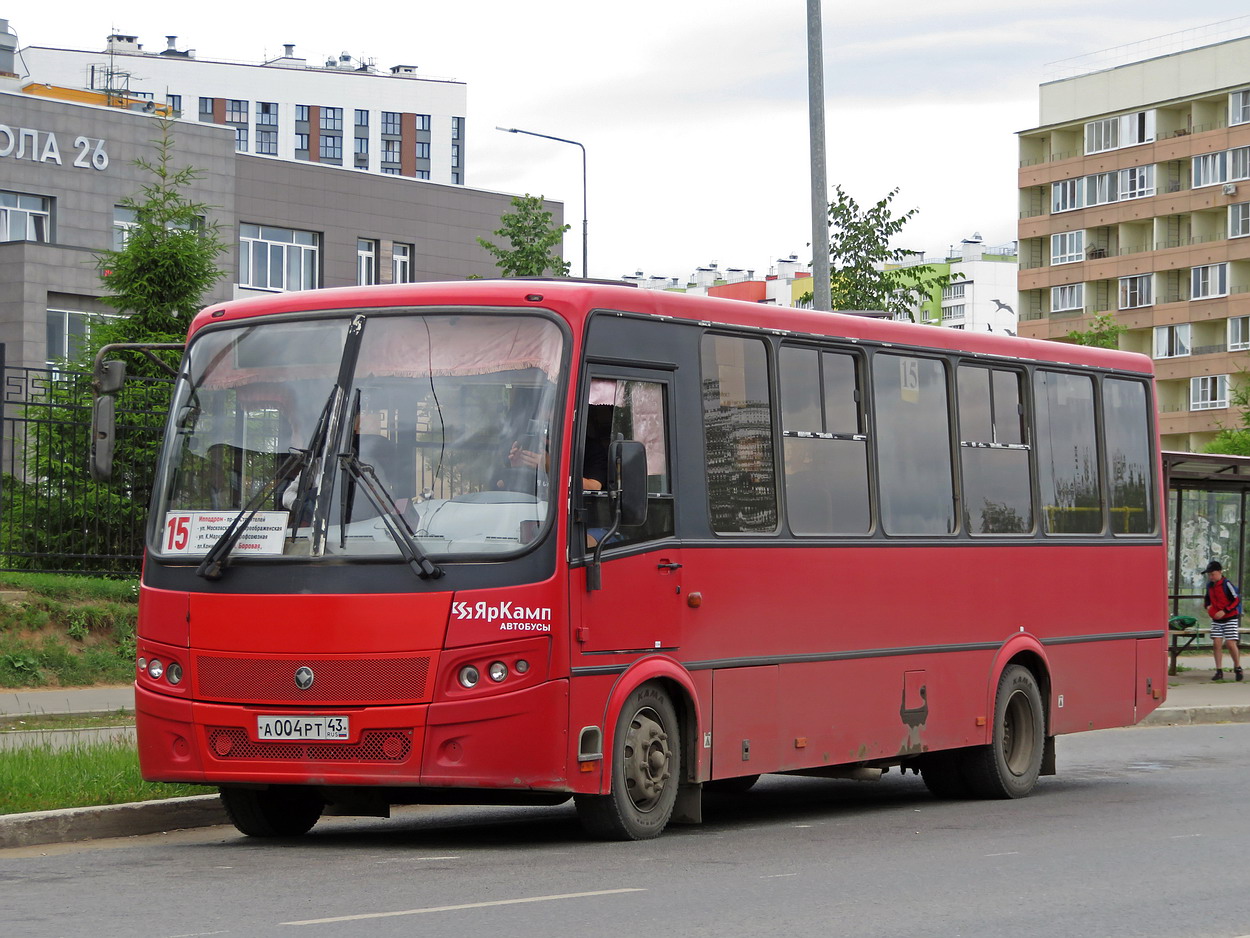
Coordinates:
(640, 603)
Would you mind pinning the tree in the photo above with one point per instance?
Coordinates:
(531, 235)
(865, 272)
(1103, 332)
(1234, 441)
(57, 516)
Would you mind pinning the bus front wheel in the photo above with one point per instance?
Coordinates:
(646, 771)
(1009, 766)
(277, 811)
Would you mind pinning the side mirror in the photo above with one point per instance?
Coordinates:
(627, 460)
(107, 378)
(103, 434)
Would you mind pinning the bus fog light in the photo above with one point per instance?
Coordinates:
(143, 663)
(173, 673)
(522, 666)
(155, 669)
(469, 675)
(497, 671)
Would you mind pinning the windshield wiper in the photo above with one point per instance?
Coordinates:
(214, 562)
(396, 525)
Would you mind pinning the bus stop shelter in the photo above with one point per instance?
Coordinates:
(1207, 503)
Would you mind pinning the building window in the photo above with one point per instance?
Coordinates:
(390, 170)
(1135, 291)
(267, 142)
(401, 263)
(953, 312)
(1239, 107)
(1239, 163)
(1208, 280)
(125, 220)
(1137, 182)
(240, 139)
(1067, 247)
(362, 146)
(1067, 297)
(1102, 135)
(423, 174)
(273, 258)
(206, 105)
(366, 261)
(301, 142)
(301, 113)
(1239, 333)
(1066, 195)
(955, 291)
(390, 151)
(1208, 392)
(236, 111)
(423, 121)
(1172, 341)
(455, 178)
(455, 154)
(1210, 169)
(266, 114)
(68, 331)
(1239, 220)
(390, 122)
(362, 117)
(1127, 130)
(24, 217)
(457, 128)
(1102, 188)
(174, 101)
(331, 147)
(423, 151)
(331, 118)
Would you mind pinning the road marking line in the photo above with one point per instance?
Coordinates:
(1010, 853)
(1183, 836)
(457, 908)
(779, 875)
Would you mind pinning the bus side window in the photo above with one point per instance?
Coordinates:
(634, 410)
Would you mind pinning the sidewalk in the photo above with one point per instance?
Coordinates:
(1193, 698)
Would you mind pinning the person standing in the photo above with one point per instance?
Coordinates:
(1223, 604)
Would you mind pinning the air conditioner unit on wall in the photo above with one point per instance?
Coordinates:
(1230, 189)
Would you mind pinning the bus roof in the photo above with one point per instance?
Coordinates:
(574, 299)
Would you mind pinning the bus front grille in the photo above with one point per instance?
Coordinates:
(336, 681)
(232, 742)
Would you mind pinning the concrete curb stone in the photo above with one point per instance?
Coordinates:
(115, 820)
(1196, 716)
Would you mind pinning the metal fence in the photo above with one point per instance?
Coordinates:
(53, 518)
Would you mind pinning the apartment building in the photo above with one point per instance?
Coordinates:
(1135, 201)
(338, 111)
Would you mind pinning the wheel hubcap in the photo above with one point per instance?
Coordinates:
(1018, 734)
(647, 759)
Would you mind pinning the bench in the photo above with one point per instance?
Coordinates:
(1175, 647)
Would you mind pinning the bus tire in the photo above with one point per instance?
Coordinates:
(277, 811)
(1009, 766)
(943, 775)
(646, 771)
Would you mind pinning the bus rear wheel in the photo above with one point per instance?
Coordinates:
(277, 811)
(1009, 766)
(646, 771)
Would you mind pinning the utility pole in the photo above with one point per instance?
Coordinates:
(821, 298)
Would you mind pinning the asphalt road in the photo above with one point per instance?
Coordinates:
(1144, 833)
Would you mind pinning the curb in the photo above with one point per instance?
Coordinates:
(115, 820)
(1198, 716)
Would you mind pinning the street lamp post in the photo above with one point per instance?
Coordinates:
(514, 130)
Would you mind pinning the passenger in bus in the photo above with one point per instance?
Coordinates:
(1223, 603)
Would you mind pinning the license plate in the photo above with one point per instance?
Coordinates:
(276, 727)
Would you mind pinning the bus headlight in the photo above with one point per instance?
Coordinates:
(155, 669)
(497, 671)
(469, 676)
(173, 673)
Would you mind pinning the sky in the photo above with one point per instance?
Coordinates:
(694, 113)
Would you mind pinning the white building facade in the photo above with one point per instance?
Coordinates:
(337, 112)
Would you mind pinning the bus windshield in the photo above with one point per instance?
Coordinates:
(351, 434)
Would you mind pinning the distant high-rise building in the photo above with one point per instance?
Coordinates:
(339, 111)
(1135, 202)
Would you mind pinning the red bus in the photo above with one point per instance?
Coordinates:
(516, 541)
